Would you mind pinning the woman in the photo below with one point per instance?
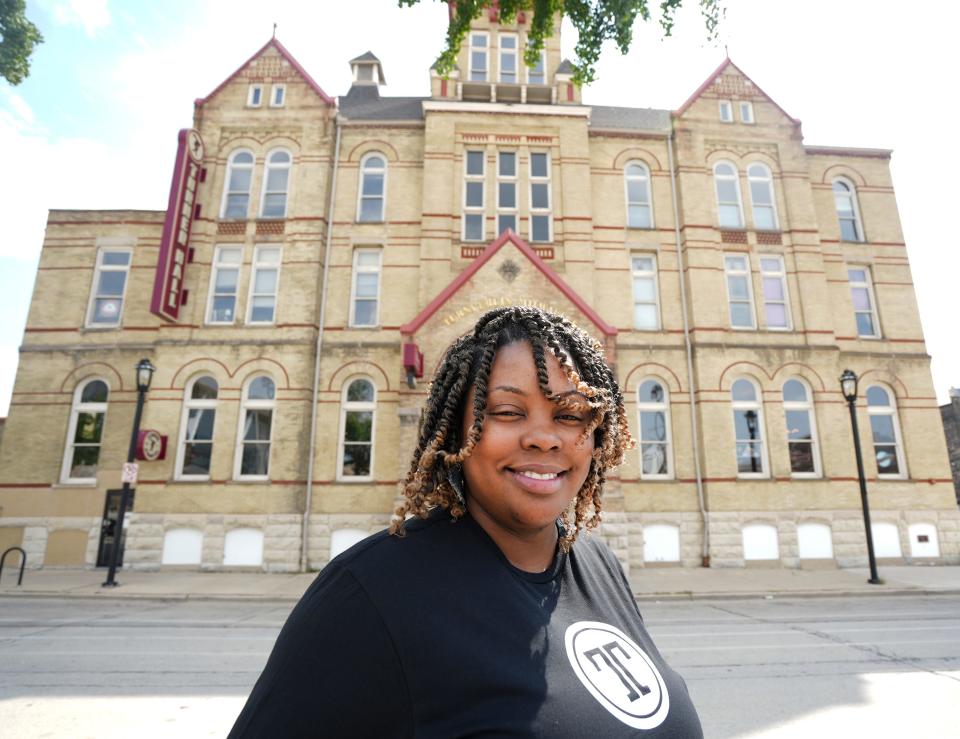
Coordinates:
(476, 615)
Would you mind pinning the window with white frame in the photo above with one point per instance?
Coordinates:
(885, 427)
(85, 432)
(506, 191)
(372, 195)
(278, 96)
(739, 291)
(196, 435)
(256, 429)
(254, 96)
(109, 288)
(537, 74)
(746, 112)
(864, 302)
(541, 221)
(236, 192)
(365, 291)
(646, 298)
(264, 282)
(276, 181)
(653, 405)
(474, 195)
(508, 57)
(726, 111)
(760, 181)
(636, 181)
(801, 429)
(748, 429)
(776, 304)
(729, 206)
(357, 410)
(224, 283)
(848, 212)
(478, 56)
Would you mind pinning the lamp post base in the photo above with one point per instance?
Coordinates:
(875, 581)
(109, 584)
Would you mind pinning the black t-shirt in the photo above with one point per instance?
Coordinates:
(437, 635)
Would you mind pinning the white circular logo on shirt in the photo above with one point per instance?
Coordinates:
(618, 673)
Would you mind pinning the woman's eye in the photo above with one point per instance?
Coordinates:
(505, 413)
(569, 417)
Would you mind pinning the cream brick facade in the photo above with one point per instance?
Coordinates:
(431, 286)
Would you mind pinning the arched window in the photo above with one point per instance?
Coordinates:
(196, 424)
(357, 409)
(236, 190)
(801, 429)
(887, 444)
(636, 178)
(761, 197)
(748, 429)
(653, 405)
(276, 181)
(729, 206)
(373, 188)
(256, 427)
(848, 213)
(85, 433)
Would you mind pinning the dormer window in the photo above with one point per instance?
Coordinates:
(254, 96)
(726, 111)
(278, 96)
(478, 57)
(364, 73)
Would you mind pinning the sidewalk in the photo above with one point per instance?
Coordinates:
(648, 584)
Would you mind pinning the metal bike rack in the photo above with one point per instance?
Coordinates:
(23, 562)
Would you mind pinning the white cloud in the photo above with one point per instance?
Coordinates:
(92, 15)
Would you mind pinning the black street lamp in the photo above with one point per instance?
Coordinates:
(145, 372)
(848, 384)
(752, 426)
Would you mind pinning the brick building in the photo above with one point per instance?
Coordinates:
(950, 413)
(731, 271)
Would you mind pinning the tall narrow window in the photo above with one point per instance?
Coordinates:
(537, 74)
(365, 297)
(848, 213)
(356, 430)
(276, 181)
(726, 111)
(278, 96)
(776, 305)
(256, 419)
(109, 288)
(654, 409)
(263, 285)
(224, 281)
(508, 57)
(373, 181)
(85, 433)
(729, 206)
(739, 291)
(541, 221)
(474, 196)
(254, 96)
(478, 57)
(196, 437)
(887, 445)
(748, 428)
(637, 184)
(746, 112)
(864, 304)
(646, 303)
(761, 197)
(236, 193)
(506, 191)
(801, 429)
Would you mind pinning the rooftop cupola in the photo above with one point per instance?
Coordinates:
(367, 70)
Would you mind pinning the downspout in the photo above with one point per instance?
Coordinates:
(308, 503)
(691, 383)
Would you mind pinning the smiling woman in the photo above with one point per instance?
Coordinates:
(476, 615)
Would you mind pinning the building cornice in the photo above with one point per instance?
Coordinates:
(849, 151)
(440, 106)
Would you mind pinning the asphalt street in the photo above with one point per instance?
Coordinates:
(803, 667)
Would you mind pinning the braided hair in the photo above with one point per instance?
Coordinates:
(466, 364)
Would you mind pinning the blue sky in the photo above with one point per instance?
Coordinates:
(94, 126)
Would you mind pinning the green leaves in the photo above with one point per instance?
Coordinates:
(18, 37)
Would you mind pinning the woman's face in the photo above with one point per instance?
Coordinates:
(528, 464)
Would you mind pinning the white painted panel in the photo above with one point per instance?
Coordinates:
(815, 541)
(661, 543)
(182, 547)
(342, 539)
(886, 540)
(923, 540)
(760, 542)
(243, 547)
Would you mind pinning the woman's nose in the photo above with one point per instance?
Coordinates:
(540, 435)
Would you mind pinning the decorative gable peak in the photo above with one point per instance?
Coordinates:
(729, 83)
(367, 70)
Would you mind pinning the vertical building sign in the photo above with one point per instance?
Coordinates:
(172, 262)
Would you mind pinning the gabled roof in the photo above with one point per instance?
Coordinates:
(566, 67)
(367, 56)
(286, 55)
(728, 62)
(413, 326)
